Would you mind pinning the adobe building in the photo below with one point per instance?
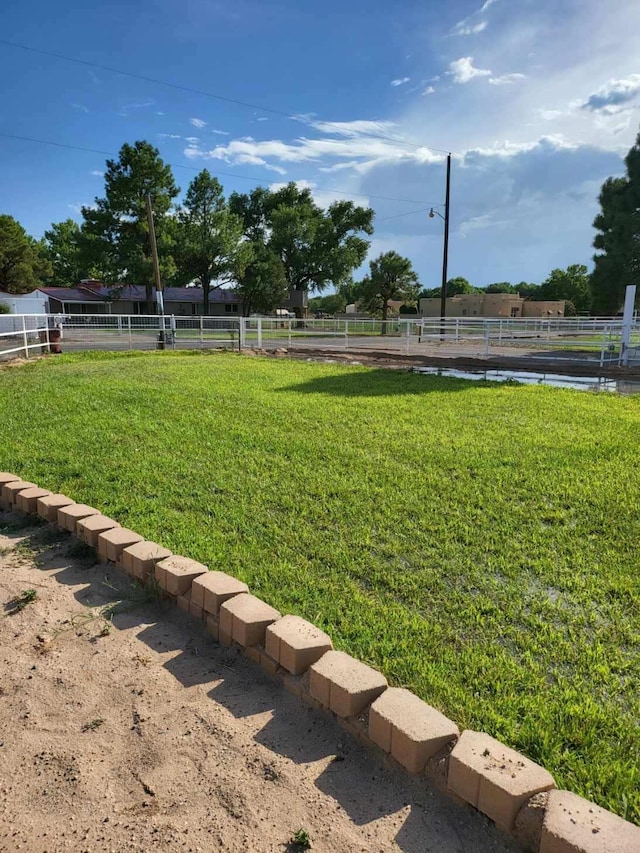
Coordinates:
(508, 305)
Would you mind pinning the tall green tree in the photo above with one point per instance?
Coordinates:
(63, 248)
(262, 282)
(572, 285)
(455, 287)
(617, 243)
(209, 238)
(458, 286)
(391, 277)
(527, 290)
(316, 247)
(334, 303)
(116, 232)
(350, 290)
(23, 266)
(500, 287)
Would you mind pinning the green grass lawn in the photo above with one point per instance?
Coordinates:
(477, 542)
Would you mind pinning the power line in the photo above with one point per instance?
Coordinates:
(203, 93)
(411, 212)
(215, 172)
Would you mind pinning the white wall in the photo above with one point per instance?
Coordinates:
(25, 303)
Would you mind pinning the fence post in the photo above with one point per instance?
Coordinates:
(604, 342)
(201, 331)
(25, 342)
(129, 331)
(242, 333)
(259, 332)
(457, 329)
(487, 336)
(289, 335)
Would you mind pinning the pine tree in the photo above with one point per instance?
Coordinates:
(617, 262)
(116, 232)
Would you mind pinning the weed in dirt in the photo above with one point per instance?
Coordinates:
(301, 840)
(137, 595)
(93, 725)
(20, 602)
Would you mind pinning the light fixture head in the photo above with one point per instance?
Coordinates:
(431, 214)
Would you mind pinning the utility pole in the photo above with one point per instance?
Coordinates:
(156, 271)
(445, 252)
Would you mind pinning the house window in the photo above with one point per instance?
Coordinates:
(194, 308)
(514, 312)
(464, 312)
(231, 309)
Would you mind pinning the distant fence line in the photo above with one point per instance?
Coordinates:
(571, 339)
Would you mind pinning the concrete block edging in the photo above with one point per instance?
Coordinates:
(496, 780)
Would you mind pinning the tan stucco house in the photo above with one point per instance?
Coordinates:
(492, 305)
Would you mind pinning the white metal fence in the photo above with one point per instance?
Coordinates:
(570, 339)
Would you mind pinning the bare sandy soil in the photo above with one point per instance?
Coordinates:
(139, 733)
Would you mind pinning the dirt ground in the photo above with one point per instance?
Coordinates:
(137, 732)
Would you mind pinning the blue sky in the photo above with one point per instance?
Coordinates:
(538, 101)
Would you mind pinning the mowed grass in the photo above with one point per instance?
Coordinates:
(477, 542)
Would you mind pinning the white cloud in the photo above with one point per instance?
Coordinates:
(80, 107)
(466, 27)
(400, 81)
(322, 197)
(97, 173)
(357, 151)
(262, 118)
(428, 91)
(508, 149)
(550, 115)
(197, 122)
(170, 136)
(129, 108)
(355, 128)
(462, 70)
(160, 113)
(469, 29)
(223, 132)
(238, 153)
(505, 79)
(191, 139)
(614, 95)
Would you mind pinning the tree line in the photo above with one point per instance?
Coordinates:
(266, 243)
(570, 285)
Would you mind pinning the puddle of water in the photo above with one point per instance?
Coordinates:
(557, 380)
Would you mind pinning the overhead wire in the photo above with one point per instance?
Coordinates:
(271, 110)
(411, 212)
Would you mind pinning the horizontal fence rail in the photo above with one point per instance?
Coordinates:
(586, 340)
